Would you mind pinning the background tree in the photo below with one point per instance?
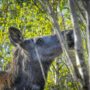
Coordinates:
(45, 17)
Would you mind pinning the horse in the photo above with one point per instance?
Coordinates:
(32, 59)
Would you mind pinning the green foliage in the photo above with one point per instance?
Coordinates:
(32, 20)
(27, 17)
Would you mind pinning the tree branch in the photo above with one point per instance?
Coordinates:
(78, 47)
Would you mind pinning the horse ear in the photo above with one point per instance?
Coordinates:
(15, 36)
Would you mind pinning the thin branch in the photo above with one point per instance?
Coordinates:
(47, 6)
(86, 4)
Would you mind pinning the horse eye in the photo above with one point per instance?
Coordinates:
(40, 41)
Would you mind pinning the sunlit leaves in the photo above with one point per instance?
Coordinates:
(24, 15)
(33, 21)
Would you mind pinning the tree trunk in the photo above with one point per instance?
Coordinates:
(78, 47)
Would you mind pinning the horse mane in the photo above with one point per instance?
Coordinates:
(5, 80)
(7, 77)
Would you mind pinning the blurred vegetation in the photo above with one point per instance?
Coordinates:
(33, 21)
